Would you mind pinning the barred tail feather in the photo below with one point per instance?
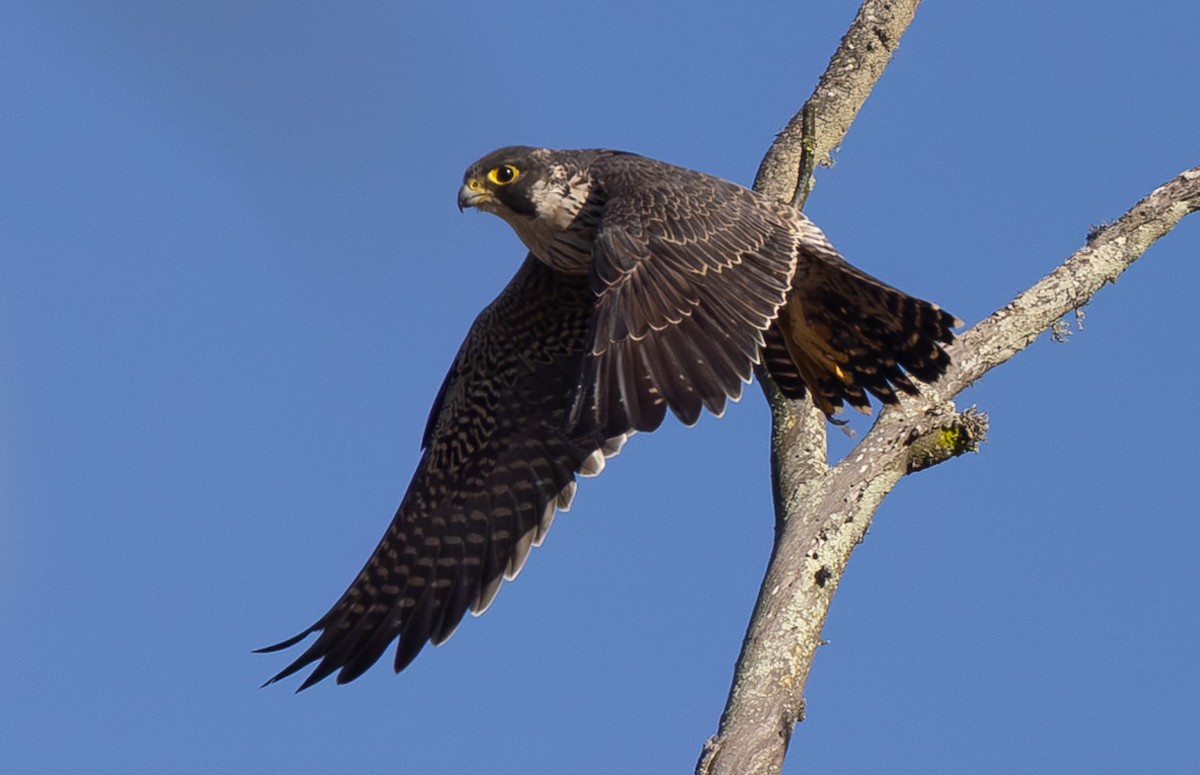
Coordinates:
(844, 334)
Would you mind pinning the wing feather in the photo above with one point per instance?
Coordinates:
(497, 461)
(688, 272)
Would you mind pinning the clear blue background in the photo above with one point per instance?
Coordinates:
(232, 275)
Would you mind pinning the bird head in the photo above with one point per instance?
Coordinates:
(539, 192)
(504, 181)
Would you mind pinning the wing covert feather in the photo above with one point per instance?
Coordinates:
(688, 272)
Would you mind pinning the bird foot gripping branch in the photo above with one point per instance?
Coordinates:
(648, 288)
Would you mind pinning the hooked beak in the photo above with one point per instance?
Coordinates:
(472, 194)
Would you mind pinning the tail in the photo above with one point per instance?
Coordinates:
(843, 334)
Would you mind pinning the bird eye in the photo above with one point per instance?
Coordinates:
(503, 175)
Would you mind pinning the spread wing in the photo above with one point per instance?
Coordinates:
(688, 271)
(497, 464)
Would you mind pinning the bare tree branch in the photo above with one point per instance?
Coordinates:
(860, 59)
(822, 513)
(826, 516)
(766, 699)
(1109, 252)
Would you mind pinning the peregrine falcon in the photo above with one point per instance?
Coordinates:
(647, 287)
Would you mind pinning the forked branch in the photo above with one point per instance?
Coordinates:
(822, 513)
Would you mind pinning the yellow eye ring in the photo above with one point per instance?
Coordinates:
(504, 174)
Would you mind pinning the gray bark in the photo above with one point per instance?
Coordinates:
(823, 512)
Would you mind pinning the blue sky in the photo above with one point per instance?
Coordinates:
(232, 275)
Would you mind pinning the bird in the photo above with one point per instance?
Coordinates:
(647, 288)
